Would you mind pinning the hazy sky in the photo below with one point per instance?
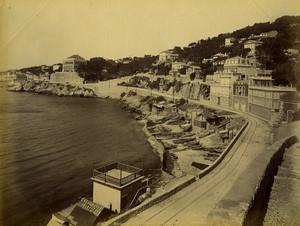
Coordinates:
(35, 32)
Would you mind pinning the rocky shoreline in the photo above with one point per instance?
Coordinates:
(44, 87)
(176, 146)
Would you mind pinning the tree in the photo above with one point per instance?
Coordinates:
(207, 69)
(192, 76)
(286, 73)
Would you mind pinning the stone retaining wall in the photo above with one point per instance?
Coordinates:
(258, 206)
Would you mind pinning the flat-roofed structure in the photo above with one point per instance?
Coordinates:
(264, 97)
(70, 71)
(117, 185)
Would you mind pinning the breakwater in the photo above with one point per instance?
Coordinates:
(44, 87)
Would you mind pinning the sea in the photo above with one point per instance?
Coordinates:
(49, 146)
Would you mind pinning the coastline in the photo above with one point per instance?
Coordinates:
(175, 162)
(157, 147)
(178, 175)
(44, 87)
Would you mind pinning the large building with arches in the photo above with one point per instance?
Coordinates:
(222, 86)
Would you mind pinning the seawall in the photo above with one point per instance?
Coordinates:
(283, 206)
(246, 202)
(259, 203)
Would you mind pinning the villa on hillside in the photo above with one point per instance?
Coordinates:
(252, 45)
(72, 63)
(269, 34)
(193, 69)
(219, 59)
(70, 71)
(177, 65)
(168, 55)
(229, 41)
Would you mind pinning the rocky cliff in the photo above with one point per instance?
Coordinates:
(43, 87)
(194, 91)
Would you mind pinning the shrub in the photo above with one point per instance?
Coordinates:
(131, 93)
(181, 101)
(177, 86)
(160, 98)
(145, 98)
(192, 76)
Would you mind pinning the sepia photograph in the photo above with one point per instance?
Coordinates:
(161, 112)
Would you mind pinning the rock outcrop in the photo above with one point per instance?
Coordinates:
(43, 87)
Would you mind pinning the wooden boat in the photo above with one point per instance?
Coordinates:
(193, 142)
(178, 141)
(187, 139)
(163, 137)
(169, 146)
(209, 154)
(195, 147)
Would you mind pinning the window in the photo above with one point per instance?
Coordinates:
(276, 95)
(276, 105)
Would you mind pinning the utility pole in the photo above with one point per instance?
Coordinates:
(174, 81)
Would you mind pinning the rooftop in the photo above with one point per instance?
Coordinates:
(274, 88)
(171, 52)
(77, 57)
(116, 174)
(268, 78)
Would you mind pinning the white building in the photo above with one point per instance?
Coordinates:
(291, 52)
(221, 82)
(270, 34)
(117, 186)
(229, 41)
(72, 63)
(168, 55)
(176, 66)
(252, 45)
(70, 71)
(193, 69)
(264, 97)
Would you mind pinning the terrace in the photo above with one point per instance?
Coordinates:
(116, 173)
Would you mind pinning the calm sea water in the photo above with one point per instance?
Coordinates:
(48, 145)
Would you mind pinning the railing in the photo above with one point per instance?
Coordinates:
(136, 195)
(284, 88)
(101, 173)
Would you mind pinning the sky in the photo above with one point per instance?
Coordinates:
(36, 32)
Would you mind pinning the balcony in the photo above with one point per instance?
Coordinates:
(116, 173)
(273, 88)
(259, 77)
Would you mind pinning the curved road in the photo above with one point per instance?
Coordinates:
(198, 203)
(193, 205)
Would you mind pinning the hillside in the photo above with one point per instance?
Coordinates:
(288, 28)
(271, 54)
